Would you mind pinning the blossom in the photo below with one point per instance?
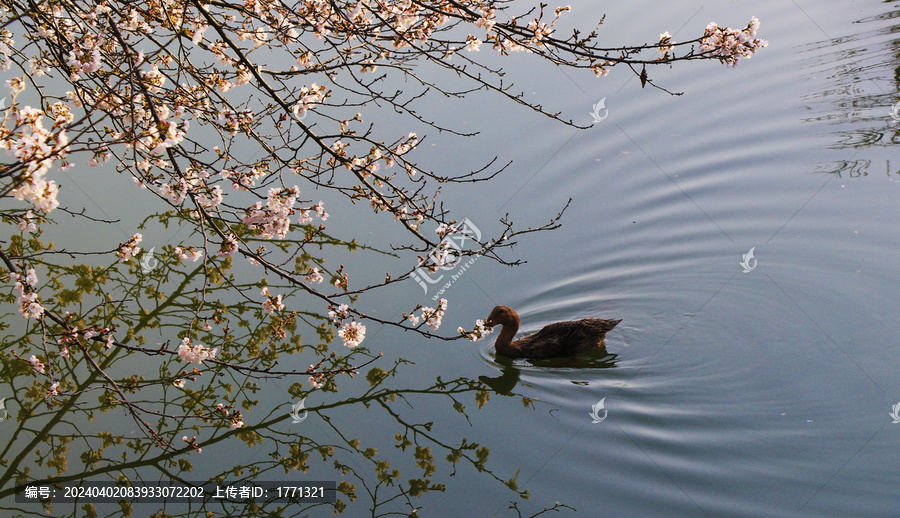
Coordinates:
(36, 364)
(31, 278)
(342, 312)
(352, 334)
(314, 276)
(179, 382)
(29, 306)
(129, 249)
(229, 247)
(413, 319)
(434, 316)
(443, 229)
(188, 254)
(486, 20)
(478, 333)
(195, 353)
(730, 45)
(26, 224)
(28, 300)
(320, 210)
(54, 389)
(16, 85)
(315, 382)
(273, 220)
(665, 43)
(473, 44)
(270, 305)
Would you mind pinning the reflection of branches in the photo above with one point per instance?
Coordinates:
(861, 116)
(136, 411)
(301, 448)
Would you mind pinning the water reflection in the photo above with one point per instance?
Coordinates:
(511, 370)
(860, 97)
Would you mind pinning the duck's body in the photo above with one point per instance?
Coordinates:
(554, 340)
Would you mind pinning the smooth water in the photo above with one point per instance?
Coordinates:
(727, 393)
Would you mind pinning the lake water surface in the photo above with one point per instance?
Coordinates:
(727, 392)
(732, 393)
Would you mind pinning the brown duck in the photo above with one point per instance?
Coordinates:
(554, 340)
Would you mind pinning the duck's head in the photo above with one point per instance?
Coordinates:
(501, 315)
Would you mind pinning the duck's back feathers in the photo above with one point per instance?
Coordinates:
(565, 338)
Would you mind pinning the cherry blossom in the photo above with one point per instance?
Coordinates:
(36, 364)
(26, 223)
(129, 249)
(229, 247)
(342, 312)
(314, 276)
(730, 45)
(270, 305)
(352, 333)
(478, 333)
(188, 254)
(29, 306)
(431, 316)
(195, 353)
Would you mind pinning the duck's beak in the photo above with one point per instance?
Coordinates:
(489, 323)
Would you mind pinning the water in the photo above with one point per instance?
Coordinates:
(763, 393)
(727, 393)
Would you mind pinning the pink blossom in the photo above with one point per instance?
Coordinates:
(36, 364)
(195, 353)
(229, 247)
(129, 249)
(352, 333)
(188, 254)
(314, 276)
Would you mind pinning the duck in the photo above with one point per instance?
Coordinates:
(554, 340)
